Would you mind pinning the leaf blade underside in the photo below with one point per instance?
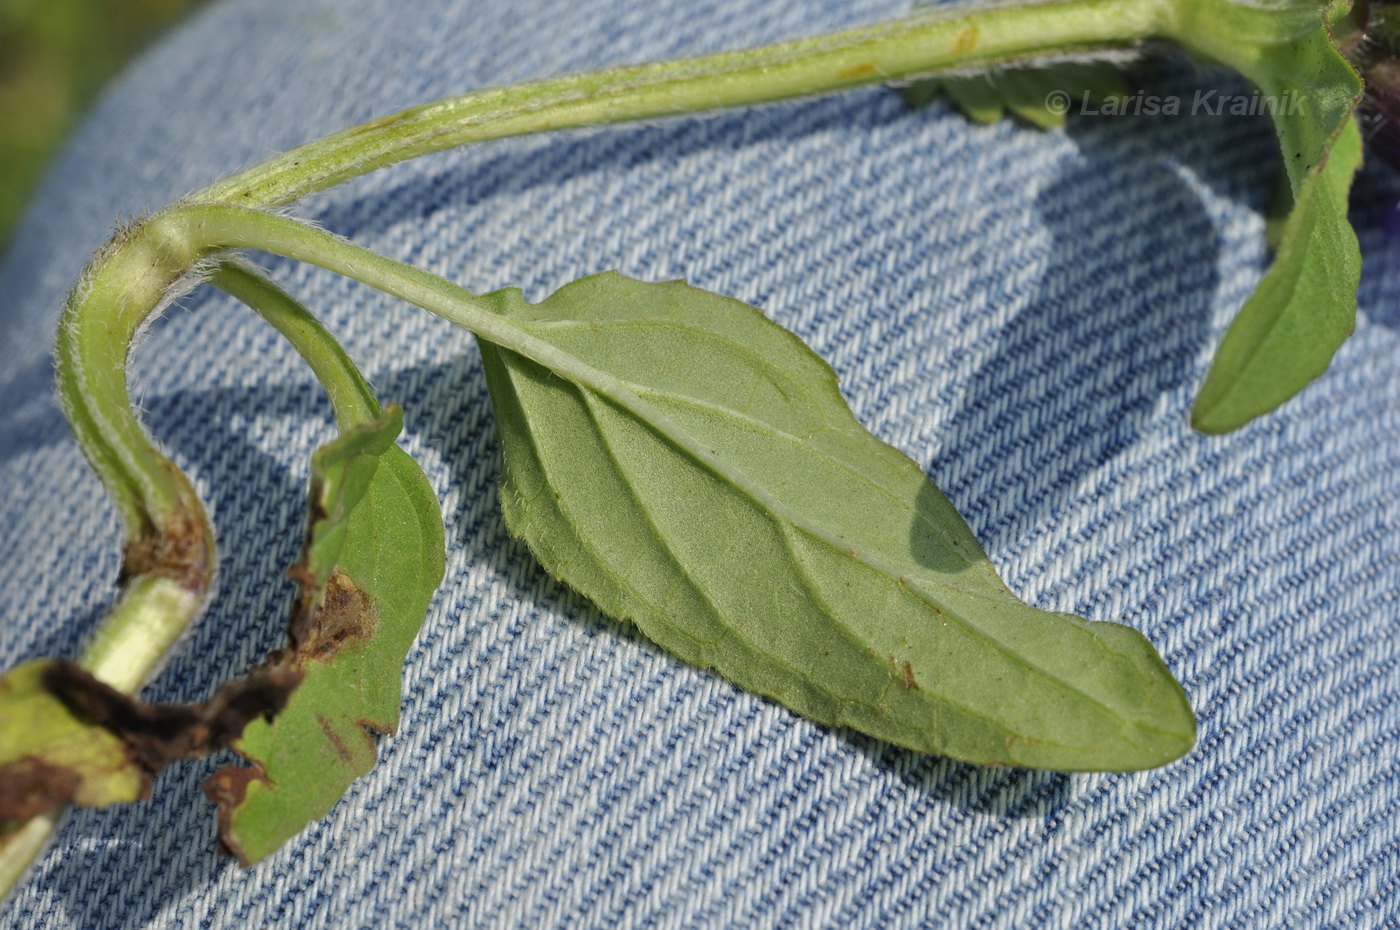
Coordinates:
(708, 482)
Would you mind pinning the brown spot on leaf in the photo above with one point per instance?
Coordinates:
(332, 737)
(346, 613)
(30, 787)
(905, 671)
(967, 40)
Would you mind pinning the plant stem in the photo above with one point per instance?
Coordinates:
(351, 397)
(169, 560)
(21, 843)
(220, 226)
(962, 37)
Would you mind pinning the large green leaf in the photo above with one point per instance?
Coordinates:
(693, 468)
(373, 558)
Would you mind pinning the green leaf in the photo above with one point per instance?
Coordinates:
(1305, 306)
(50, 757)
(692, 468)
(373, 558)
(1041, 95)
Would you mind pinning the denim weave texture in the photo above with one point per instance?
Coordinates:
(1026, 314)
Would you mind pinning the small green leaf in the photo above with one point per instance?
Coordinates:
(691, 466)
(1305, 306)
(373, 558)
(50, 757)
(1041, 96)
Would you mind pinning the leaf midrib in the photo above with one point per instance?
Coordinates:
(825, 415)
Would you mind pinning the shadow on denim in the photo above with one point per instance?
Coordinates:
(1118, 319)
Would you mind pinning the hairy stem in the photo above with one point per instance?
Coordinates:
(169, 562)
(219, 226)
(350, 395)
(962, 37)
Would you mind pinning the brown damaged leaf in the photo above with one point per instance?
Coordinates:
(68, 738)
(87, 743)
(304, 717)
(346, 613)
(373, 557)
(29, 786)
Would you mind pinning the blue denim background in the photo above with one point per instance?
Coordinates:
(1026, 314)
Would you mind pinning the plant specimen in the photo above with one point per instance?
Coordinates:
(671, 454)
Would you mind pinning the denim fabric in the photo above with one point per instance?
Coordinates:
(1027, 314)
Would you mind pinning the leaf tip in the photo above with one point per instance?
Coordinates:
(1214, 418)
(1162, 731)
